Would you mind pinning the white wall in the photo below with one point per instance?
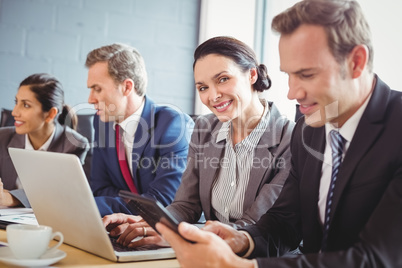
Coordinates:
(225, 17)
(278, 92)
(385, 20)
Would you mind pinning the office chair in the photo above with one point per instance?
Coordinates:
(6, 118)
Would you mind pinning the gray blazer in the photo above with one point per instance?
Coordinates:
(269, 172)
(65, 140)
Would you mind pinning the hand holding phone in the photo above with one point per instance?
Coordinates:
(150, 210)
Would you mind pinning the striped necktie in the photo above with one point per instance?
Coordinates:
(121, 156)
(337, 143)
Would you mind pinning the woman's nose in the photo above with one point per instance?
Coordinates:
(15, 113)
(214, 95)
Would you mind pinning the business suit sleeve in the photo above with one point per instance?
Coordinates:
(100, 182)
(279, 230)
(379, 242)
(105, 178)
(277, 173)
(20, 195)
(8, 138)
(187, 204)
(171, 139)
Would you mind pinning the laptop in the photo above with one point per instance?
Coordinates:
(59, 193)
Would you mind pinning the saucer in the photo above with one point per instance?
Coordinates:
(48, 258)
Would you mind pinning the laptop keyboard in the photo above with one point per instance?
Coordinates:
(120, 248)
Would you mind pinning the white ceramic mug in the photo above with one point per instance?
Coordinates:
(31, 241)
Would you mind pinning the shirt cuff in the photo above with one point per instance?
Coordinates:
(251, 245)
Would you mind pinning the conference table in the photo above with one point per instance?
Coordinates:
(79, 258)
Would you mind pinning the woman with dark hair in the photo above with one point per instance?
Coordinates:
(239, 156)
(40, 116)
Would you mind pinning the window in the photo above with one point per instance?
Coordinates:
(226, 17)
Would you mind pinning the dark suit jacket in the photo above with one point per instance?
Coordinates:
(65, 140)
(270, 170)
(159, 157)
(365, 230)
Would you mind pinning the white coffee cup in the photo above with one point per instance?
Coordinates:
(31, 241)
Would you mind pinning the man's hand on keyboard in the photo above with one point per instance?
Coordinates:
(130, 229)
(117, 223)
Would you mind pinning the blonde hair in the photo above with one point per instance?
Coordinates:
(123, 62)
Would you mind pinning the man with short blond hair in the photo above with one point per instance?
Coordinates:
(139, 146)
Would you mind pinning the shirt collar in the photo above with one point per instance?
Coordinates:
(130, 124)
(349, 128)
(44, 147)
(223, 133)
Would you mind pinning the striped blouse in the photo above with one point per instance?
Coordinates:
(231, 183)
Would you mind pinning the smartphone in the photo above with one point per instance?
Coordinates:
(151, 210)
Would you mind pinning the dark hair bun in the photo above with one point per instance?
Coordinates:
(263, 82)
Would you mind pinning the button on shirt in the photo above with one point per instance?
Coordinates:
(230, 186)
(129, 127)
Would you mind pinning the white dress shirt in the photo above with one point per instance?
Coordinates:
(29, 146)
(44, 147)
(347, 131)
(129, 127)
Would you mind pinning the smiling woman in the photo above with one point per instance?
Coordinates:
(30, 119)
(39, 114)
(239, 155)
(228, 78)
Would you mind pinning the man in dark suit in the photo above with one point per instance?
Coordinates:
(149, 155)
(342, 201)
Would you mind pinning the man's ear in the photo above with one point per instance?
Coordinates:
(128, 86)
(51, 114)
(358, 59)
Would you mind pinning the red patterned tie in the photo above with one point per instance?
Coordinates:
(121, 155)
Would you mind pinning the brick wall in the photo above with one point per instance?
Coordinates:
(55, 36)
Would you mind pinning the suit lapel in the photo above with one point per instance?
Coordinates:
(313, 141)
(368, 129)
(57, 144)
(142, 135)
(17, 141)
(270, 138)
(212, 150)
